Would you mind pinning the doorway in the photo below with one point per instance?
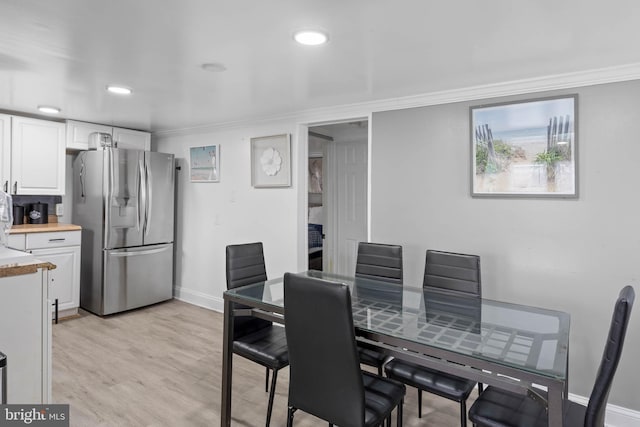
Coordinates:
(337, 195)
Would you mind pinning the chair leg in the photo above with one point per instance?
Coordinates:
(399, 410)
(266, 382)
(419, 403)
(480, 388)
(380, 370)
(290, 412)
(463, 413)
(271, 395)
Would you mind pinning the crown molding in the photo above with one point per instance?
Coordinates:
(495, 90)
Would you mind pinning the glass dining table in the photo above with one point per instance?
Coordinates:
(506, 345)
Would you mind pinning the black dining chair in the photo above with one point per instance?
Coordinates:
(325, 376)
(452, 274)
(255, 339)
(496, 407)
(380, 262)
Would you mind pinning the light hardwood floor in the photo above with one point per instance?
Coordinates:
(161, 366)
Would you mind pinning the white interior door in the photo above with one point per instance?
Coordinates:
(351, 196)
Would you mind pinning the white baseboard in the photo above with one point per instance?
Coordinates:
(198, 298)
(616, 416)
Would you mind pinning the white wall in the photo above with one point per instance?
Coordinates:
(213, 215)
(571, 255)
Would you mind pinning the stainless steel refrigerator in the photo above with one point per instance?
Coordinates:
(124, 201)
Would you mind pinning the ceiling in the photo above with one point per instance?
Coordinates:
(65, 52)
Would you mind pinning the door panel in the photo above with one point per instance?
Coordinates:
(159, 170)
(65, 277)
(136, 277)
(37, 157)
(124, 207)
(5, 153)
(131, 139)
(351, 227)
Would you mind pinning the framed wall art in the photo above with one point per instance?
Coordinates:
(525, 149)
(204, 163)
(271, 161)
(315, 175)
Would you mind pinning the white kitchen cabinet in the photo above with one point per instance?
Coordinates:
(78, 133)
(78, 136)
(25, 336)
(37, 157)
(132, 139)
(5, 152)
(17, 241)
(61, 248)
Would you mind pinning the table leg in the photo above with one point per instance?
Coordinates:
(227, 365)
(556, 404)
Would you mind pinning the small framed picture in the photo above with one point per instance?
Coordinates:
(525, 149)
(315, 175)
(205, 163)
(271, 161)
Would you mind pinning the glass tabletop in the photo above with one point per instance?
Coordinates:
(518, 336)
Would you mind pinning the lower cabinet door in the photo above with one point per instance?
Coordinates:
(64, 280)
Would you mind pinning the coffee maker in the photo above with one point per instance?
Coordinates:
(6, 218)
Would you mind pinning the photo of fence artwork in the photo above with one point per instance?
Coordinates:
(525, 149)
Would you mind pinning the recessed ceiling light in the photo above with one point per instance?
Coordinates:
(311, 37)
(214, 67)
(120, 90)
(48, 109)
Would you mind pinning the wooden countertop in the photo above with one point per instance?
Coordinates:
(43, 228)
(27, 268)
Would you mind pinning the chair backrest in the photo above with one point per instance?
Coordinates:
(594, 416)
(453, 272)
(379, 261)
(325, 377)
(245, 265)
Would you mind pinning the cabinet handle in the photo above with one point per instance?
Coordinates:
(61, 239)
(6, 186)
(15, 187)
(82, 178)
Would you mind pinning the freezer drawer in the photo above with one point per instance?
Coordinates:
(135, 277)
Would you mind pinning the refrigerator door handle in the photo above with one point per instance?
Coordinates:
(108, 194)
(111, 176)
(136, 253)
(149, 194)
(140, 194)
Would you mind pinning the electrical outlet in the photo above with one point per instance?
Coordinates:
(59, 209)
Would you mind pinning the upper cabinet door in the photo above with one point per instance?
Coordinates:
(37, 157)
(131, 139)
(78, 134)
(5, 152)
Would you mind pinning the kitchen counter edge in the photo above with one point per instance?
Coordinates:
(43, 228)
(27, 268)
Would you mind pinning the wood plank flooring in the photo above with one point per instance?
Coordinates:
(161, 366)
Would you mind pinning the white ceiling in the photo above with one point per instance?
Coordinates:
(64, 52)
